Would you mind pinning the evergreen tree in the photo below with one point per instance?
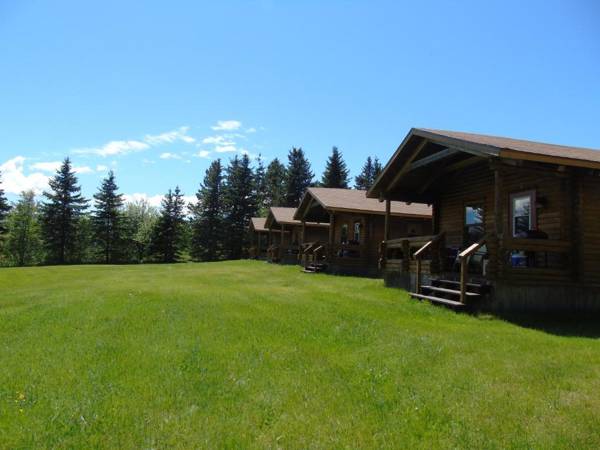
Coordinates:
(298, 177)
(141, 218)
(108, 220)
(4, 207)
(370, 171)
(274, 185)
(207, 215)
(23, 241)
(168, 235)
(240, 205)
(61, 214)
(336, 172)
(260, 183)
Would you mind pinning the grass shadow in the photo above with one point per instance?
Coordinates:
(560, 324)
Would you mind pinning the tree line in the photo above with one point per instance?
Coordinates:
(64, 227)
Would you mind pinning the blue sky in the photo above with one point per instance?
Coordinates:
(120, 84)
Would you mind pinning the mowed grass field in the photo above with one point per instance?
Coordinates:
(250, 355)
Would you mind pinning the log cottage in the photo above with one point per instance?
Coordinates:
(357, 226)
(514, 222)
(286, 234)
(259, 236)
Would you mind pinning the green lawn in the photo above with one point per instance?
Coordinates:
(246, 354)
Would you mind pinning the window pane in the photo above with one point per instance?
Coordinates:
(473, 215)
(521, 215)
(521, 206)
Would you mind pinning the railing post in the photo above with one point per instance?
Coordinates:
(382, 254)
(464, 261)
(418, 280)
(405, 255)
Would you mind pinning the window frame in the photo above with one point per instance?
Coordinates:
(475, 203)
(532, 194)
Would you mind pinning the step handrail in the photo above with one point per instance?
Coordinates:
(464, 258)
(418, 255)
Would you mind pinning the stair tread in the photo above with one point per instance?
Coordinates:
(450, 291)
(431, 298)
(457, 283)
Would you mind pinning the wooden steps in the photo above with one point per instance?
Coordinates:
(314, 268)
(447, 293)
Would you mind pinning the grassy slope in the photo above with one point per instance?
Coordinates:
(245, 354)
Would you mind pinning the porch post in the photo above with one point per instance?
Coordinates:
(386, 232)
(281, 241)
(303, 235)
(331, 234)
(498, 259)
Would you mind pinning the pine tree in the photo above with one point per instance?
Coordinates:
(23, 240)
(298, 177)
(336, 171)
(207, 215)
(168, 235)
(61, 213)
(108, 220)
(240, 205)
(370, 171)
(260, 184)
(274, 185)
(4, 208)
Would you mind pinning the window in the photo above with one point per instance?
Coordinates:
(474, 226)
(522, 213)
(357, 227)
(344, 234)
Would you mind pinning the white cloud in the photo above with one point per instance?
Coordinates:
(179, 134)
(225, 149)
(101, 168)
(251, 130)
(168, 155)
(82, 169)
(154, 200)
(227, 125)
(114, 148)
(218, 140)
(203, 154)
(50, 166)
(14, 180)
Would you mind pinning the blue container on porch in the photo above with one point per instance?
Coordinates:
(518, 260)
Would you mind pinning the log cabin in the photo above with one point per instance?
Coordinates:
(514, 222)
(357, 226)
(259, 236)
(286, 234)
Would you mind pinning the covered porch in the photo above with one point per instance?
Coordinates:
(506, 224)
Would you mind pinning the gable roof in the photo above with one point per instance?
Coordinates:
(355, 200)
(258, 223)
(496, 145)
(285, 216)
(478, 145)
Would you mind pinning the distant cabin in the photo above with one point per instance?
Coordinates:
(357, 227)
(259, 237)
(515, 223)
(286, 235)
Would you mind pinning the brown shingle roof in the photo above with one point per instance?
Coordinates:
(285, 216)
(258, 223)
(519, 145)
(356, 200)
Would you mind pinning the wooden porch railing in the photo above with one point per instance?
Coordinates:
(418, 255)
(464, 257)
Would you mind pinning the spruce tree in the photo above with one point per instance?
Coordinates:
(240, 205)
(260, 184)
(23, 240)
(336, 172)
(61, 214)
(168, 235)
(274, 185)
(207, 215)
(4, 208)
(370, 170)
(298, 177)
(108, 220)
